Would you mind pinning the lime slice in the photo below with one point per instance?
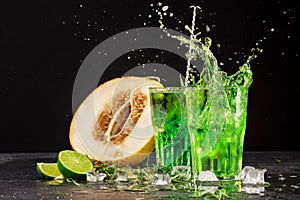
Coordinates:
(73, 164)
(48, 170)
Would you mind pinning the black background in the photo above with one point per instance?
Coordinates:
(43, 44)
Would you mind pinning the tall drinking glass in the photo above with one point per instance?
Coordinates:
(169, 120)
(217, 125)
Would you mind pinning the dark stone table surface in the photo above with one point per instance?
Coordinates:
(20, 180)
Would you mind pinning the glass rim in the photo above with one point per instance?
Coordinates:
(169, 88)
(182, 88)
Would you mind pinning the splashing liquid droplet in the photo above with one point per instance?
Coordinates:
(165, 8)
(188, 68)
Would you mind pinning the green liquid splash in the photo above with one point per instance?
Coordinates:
(222, 112)
(199, 48)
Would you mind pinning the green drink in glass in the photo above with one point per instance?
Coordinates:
(217, 116)
(169, 120)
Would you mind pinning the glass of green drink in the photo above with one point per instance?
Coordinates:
(217, 124)
(169, 120)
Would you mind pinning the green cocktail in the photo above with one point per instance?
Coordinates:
(169, 120)
(217, 123)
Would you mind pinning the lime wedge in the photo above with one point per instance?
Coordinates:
(48, 170)
(73, 164)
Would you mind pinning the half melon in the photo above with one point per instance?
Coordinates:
(113, 124)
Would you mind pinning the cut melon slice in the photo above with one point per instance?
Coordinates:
(113, 124)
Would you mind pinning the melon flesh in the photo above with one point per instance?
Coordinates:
(113, 124)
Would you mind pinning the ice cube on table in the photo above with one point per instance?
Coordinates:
(161, 179)
(121, 176)
(183, 172)
(253, 189)
(245, 171)
(93, 176)
(207, 189)
(132, 173)
(252, 176)
(207, 176)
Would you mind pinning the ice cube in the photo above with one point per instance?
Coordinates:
(261, 176)
(245, 171)
(121, 176)
(252, 176)
(132, 173)
(207, 189)
(182, 172)
(161, 179)
(101, 176)
(93, 176)
(253, 189)
(207, 176)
